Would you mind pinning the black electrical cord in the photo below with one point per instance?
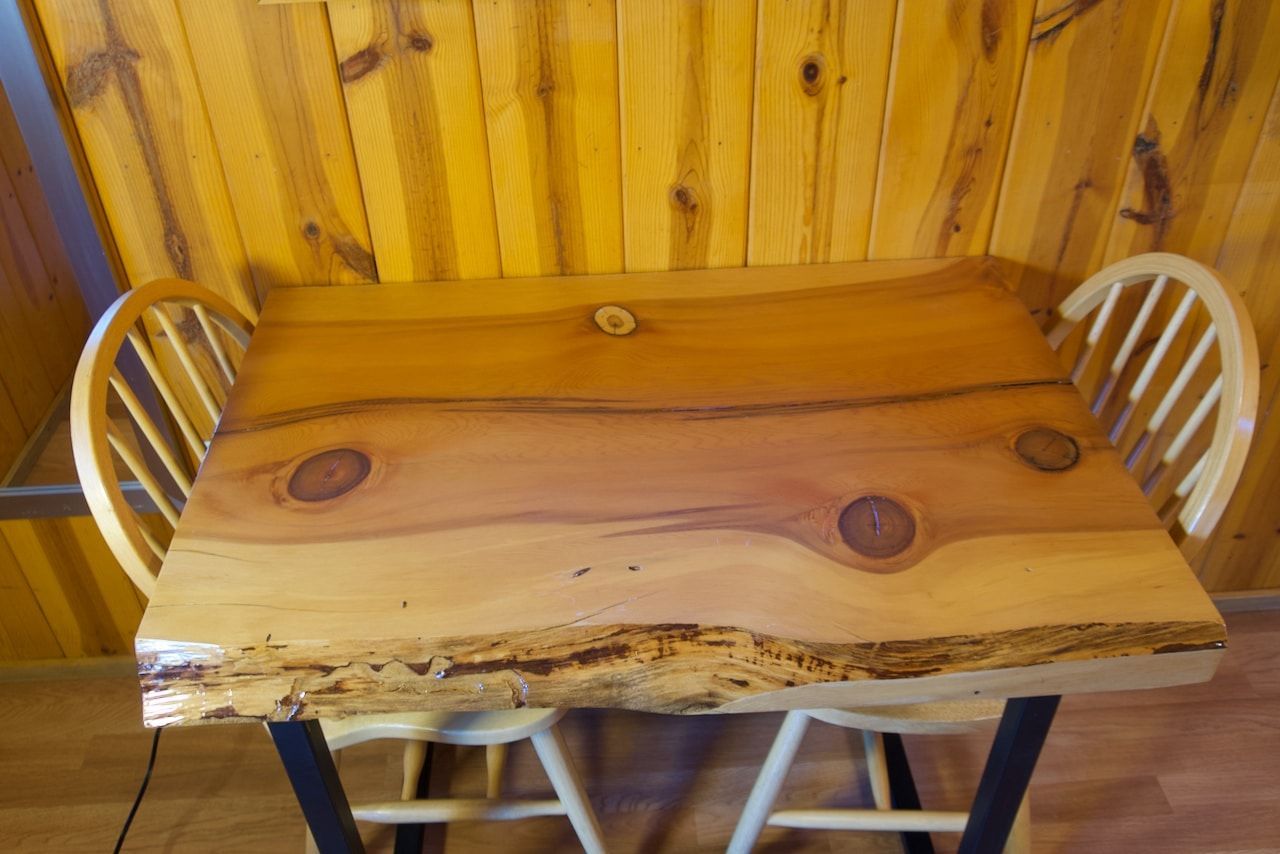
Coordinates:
(142, 790)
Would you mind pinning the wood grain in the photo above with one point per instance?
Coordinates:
(1088, 69)
(141, 119)
(412, 87)
(952, 88)
(270, 83)
(1245, 552)
(1217, 71)
(685, 81)
(821, 73)
(1185, 769)
(745, 508)
(550, 78)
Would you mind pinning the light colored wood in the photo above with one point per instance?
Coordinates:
(479, 728)
(1237, 385)
(1215, 76)
(685, 83)
(955, 716)
(877, 769)
(91, 432)
(755, 815)
(410, 78)
(1088, 69)
(1246, 553)
(270, 84)
(454, 809)
(415, 759)
(1144, 772)
(550, 81)
(953, 83)
(495, 758)
(855, 819)
(141, 119)
(554, 756)
(821, 73)
(315, 469)
(177, 470)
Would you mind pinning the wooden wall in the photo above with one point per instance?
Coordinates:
(43, 322)
(62, 594)
(248, 146)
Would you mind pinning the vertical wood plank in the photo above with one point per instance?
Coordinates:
(821, 73)
(686, 69)
(1245, 550)
(56, 571)
(550, 82)
(1086, 79)
(270, 82)
(25, 626)
(409, 74)
(127, 73)
(16, 160)
(101, 570)
(1212, 85)
(953, 82)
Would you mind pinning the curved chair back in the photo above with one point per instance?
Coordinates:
(190, 367)
(1172, 415)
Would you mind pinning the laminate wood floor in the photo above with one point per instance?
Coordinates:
(1193, 769)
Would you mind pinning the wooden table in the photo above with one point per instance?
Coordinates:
(712, 491)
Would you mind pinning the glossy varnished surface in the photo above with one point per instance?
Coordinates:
(483, 495)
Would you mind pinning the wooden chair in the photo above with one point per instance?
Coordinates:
(1118, 367)
(201, 338)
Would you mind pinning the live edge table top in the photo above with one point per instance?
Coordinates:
(726, 490)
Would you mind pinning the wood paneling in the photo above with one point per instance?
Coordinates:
(1216, 73)
(1245, 552)
(408, 68)
(685, 69)
(248, 145)
(549, 72)
(127, 72)
(275, 106)
(952, 86)
(1087, 74)
(821, 71)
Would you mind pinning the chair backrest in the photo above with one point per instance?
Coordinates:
(1148, 365)
(191, 368)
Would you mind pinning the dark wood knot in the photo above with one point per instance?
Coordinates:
(421, 42)
(615, 320)
(1046, 449)
(329, 474)
(876, 526)
(683, 197)
(311, 231)
(811, 73)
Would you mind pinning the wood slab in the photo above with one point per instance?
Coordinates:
(678, 492)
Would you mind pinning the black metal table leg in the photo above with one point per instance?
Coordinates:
(1013, 756)
(902, 791)
(409, 836)
(310, 767)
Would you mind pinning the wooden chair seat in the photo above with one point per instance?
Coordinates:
(1186, 464)
(467, 728)
(940, 718)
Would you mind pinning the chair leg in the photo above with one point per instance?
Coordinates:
(769, 782)
(495, 758)
(1019, 841)
(877, 769)
(415, 757)
(550, 747)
